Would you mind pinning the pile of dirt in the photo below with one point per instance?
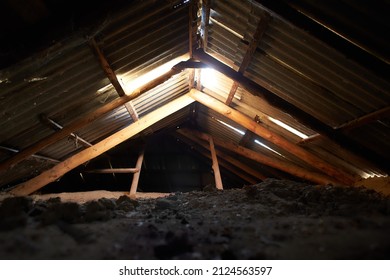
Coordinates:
(275, 219)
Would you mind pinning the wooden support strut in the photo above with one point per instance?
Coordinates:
(302, 116)
(134, 183)
(115, 139)
(285, 166)
(217, 173)
(225, 158)
(278, 140)
(92, 116)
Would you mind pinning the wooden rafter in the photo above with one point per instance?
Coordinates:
(115, 139)
(267, 134)
(299, 114)
(112, 77)
(257, 36)
(285, 166)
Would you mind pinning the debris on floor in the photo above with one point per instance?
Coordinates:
(275, 219)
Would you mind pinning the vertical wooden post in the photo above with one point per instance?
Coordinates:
(134, 183)
(217, 173)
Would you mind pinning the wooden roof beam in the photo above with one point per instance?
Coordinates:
(299, 114)
(278, 140)
(99, 148)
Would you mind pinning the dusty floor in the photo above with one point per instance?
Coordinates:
(272, 220)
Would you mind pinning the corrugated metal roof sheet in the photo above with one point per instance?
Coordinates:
(302, 70)
(67, 81)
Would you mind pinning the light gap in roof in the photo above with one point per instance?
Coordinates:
(131, 82)
(231, 127)
(213, 20)
(289, 128)
(208, 78)
(267, 147)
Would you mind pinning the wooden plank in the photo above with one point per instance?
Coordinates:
(285, 166)
(113, 170)
(266, 92)
(136, 176)
(89, 118)
(267, 134)
(115, 139)
(217, 173)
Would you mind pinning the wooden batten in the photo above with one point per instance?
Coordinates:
(115, 139)
(267, 134)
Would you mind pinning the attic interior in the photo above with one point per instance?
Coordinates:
(194, 129)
